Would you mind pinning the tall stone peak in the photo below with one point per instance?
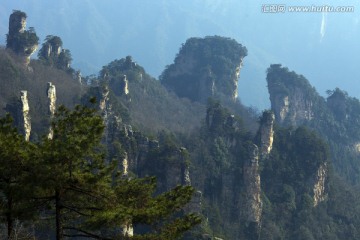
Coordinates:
(17, 22)
(22, 42)
(121, 66)
(253, 203)
(206, 67)
(52, 53)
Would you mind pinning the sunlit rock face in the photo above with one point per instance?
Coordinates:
(206, 67)
(357, 147)
(26, 120)
(128, 230)
(51, 94)
(319, 186)
(266, 134)
(236, 78)
(293, 109)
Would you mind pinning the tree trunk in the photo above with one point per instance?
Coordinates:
(58, 216)
(9, 218)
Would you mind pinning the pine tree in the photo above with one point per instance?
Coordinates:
(65, 178)
(15, 190)
(161, 217)
(75, 179)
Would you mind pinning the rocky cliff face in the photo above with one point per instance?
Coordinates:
(120, 86)
(206, 67)
(21, 41)
(294, 109)
(144, 156)
(140, 154)
(292, 97)
(293, 101)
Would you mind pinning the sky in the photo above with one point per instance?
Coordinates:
(322, 46)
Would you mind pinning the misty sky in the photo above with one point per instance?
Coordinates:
(324, 47)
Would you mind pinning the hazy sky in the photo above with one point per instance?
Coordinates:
(324, 47)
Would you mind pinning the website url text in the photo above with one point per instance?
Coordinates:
(282, 8)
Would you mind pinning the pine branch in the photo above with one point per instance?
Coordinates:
(85, 234)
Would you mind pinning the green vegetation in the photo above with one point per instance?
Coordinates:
(52, 54)
(64, 178)
(288, 205)
(15, 188)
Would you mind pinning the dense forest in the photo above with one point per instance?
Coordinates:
(122, 155)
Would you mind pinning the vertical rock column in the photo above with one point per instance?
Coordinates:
(26, 121)
(51, 94)
(125, 165)
(105, 109)
(253, 204)
(23, 43)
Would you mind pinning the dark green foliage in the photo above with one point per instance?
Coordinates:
(19, 14)
(280, 80)
(295, 158)
(135, 203)
(289, 211)
(74, 178)
(15, 177)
